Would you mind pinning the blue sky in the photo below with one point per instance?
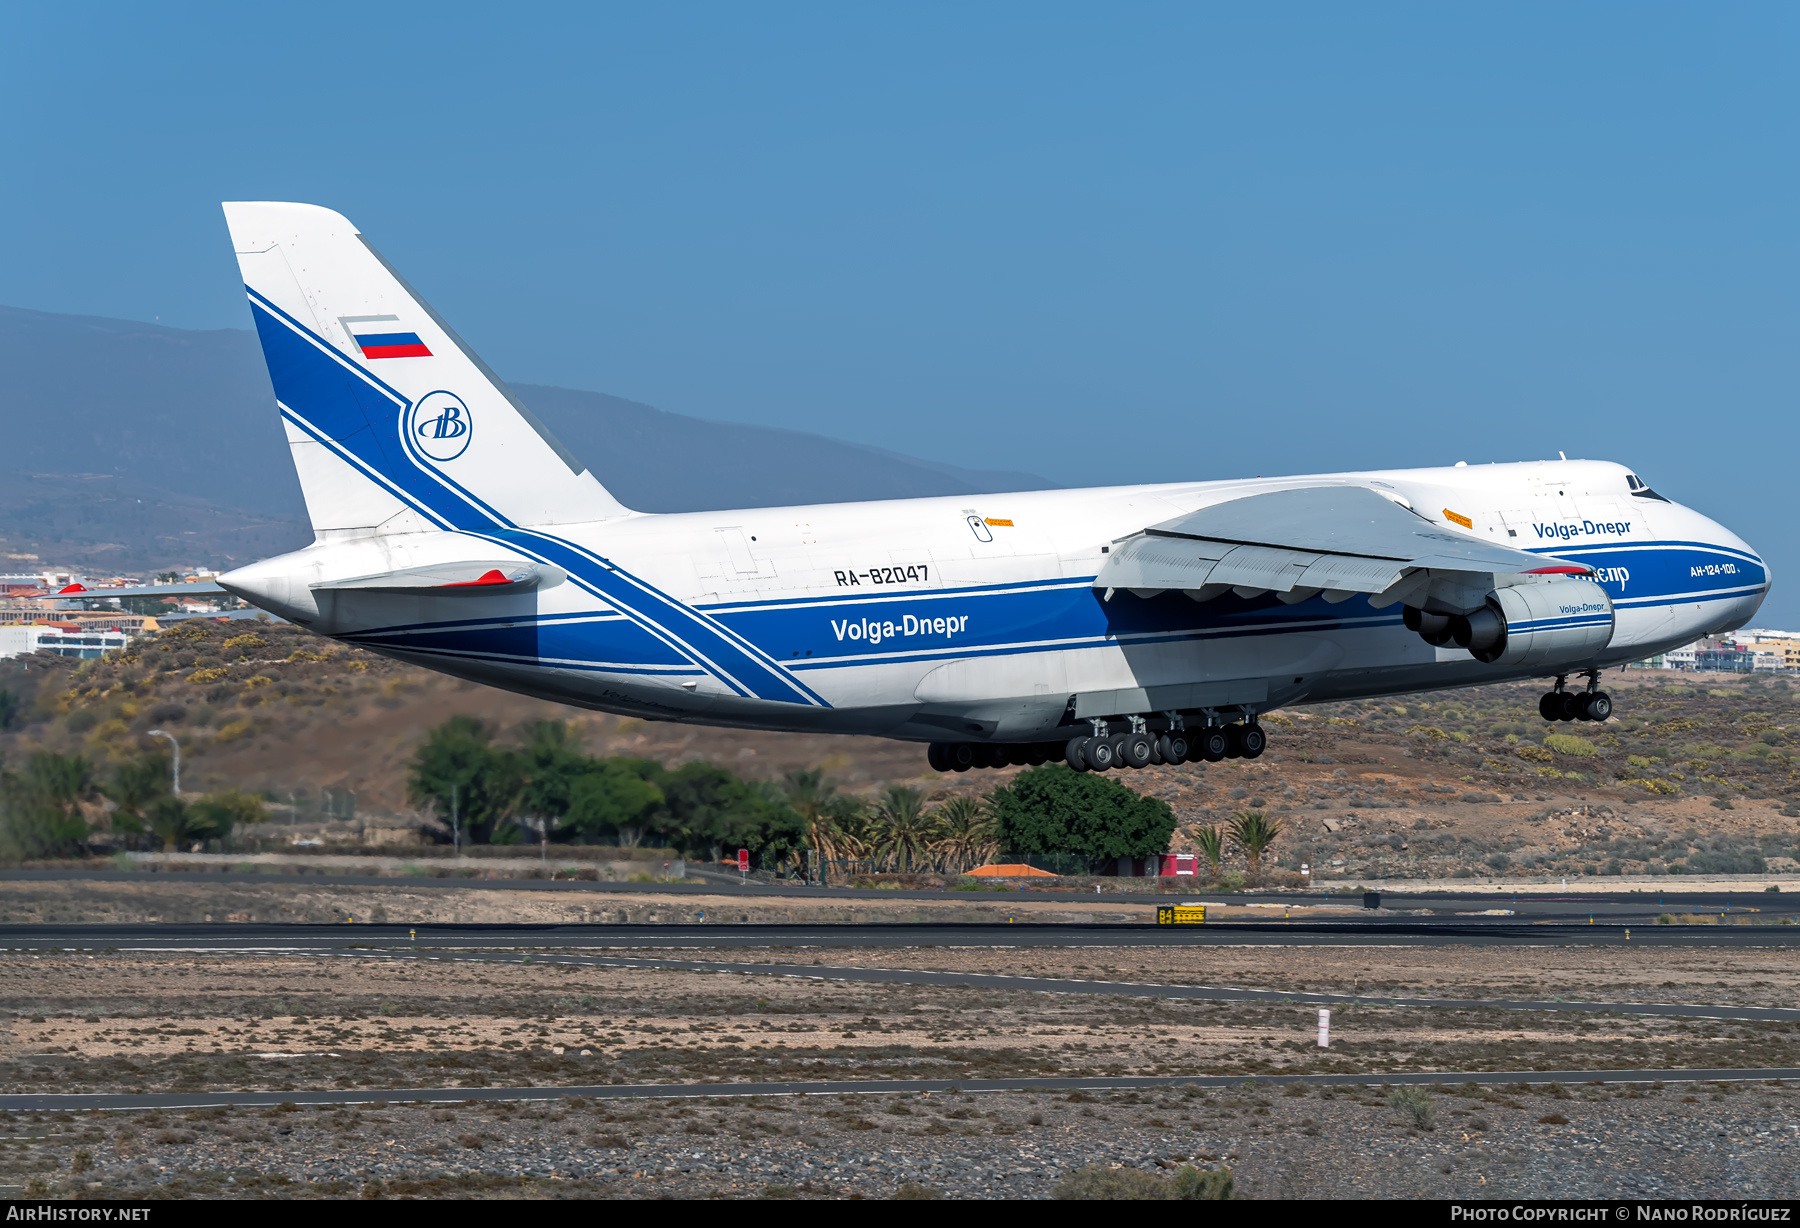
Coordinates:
(1107, 243)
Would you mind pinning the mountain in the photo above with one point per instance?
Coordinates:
(132, 446)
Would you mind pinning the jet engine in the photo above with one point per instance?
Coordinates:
(1525, 625)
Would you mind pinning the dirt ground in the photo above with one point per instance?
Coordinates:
(147, 1021)
(184, 899)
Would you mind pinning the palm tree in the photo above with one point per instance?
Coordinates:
(174, 822)
(811, 796)
(40, 808)
(1212, 847)
(135, 784)
(966, 833)
(1254, 831)
(902, 829)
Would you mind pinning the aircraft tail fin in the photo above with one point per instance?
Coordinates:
(394, 422)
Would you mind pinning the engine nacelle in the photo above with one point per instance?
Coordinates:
(1555, 622)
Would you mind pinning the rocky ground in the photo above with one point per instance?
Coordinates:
(119, 1022)
(1519, 1141)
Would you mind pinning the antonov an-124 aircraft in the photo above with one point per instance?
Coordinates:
(1113, 627)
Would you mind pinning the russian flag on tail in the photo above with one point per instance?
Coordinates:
(376, 337)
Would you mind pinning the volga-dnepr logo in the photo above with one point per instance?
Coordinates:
(440, 426)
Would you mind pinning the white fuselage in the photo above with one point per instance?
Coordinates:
(975, 617)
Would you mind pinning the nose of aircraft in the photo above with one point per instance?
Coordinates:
(1733, 570)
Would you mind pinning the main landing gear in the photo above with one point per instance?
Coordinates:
(1592, 704)
(1210, 743)
(1105, 750)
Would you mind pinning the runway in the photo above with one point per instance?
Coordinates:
(1350, 931)
(123, 1102)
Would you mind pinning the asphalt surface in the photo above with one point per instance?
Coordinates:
(1539, 904)
(1354, 930)
(54, 1103)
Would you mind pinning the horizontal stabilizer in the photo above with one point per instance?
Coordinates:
(456, 580)
(204, 589)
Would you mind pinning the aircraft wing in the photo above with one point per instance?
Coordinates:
(1332, 540)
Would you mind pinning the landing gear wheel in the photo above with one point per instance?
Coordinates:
(1100, 754)
(1598, 707)
(1174, 747)
(1135, 750)
(1118, 741)
(1075, 754)
(938, 756)
(1234, 741)
(962, 756)
(1550, 704)
(1212, 744)
(1570, 706)
(1253, 741)
(1038, 754)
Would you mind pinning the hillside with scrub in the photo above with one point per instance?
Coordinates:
(1695, 774)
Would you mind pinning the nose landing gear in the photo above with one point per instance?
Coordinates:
(1592, 704)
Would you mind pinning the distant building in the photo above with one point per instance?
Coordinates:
(64, 639)
(1775, 650)
(1724, 656)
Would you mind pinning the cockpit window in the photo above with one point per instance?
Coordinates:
(1640, 490)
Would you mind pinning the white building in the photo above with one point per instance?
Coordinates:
(19, 641)
(1680, 658)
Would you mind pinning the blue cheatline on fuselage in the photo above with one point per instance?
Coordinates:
(833, 633)
(360, 419)
(1638, 574)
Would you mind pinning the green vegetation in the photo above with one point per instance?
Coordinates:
(1414, 1105)
(1102, 1182)
(45, 808)
(40, 806)
(1055, 809)
(1254, 832)
(546, 789)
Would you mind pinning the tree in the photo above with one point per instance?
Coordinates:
(965, 833)
(615, 797)
(135, 784)
(831, 822)
(454, 769)
(1055, 809)
(10, 706)
(1212, 847)
(173, 822)
(539, 777)
(40, 807)
(217, 815)
(1254, 831)
(902, 830)
(710, 809)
